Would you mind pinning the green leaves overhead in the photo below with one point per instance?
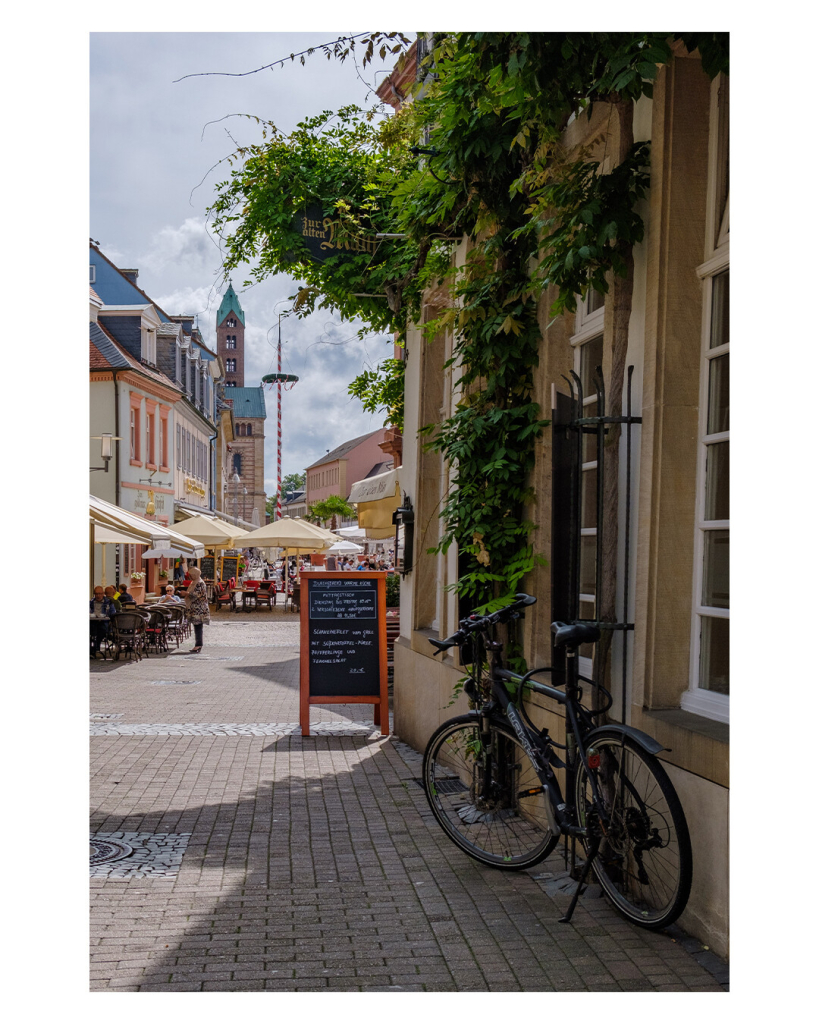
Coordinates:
(489, 116)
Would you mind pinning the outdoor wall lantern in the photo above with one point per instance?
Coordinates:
(405, 516)
(107, 449)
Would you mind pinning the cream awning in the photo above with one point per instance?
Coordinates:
(117, 521)
(377, 497)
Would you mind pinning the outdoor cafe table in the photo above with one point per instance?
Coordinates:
(97, 618)
(246, 594)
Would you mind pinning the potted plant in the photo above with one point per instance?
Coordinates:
(138, 586)
(163, 574)
(393, 582)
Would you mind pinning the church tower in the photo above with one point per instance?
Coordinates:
(245, 498)
(230, 338)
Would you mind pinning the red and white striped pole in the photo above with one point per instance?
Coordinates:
(279, 428)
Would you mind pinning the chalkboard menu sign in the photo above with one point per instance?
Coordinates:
(208, 567)
(230, 567)
(343, 642)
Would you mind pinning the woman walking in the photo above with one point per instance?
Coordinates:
(197, 602)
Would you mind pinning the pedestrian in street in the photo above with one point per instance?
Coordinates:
(178, 571)
(198, 610)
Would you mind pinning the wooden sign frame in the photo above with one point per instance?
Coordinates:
(380, 700)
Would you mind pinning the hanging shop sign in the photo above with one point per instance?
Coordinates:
(324, 236)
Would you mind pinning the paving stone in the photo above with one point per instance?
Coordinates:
(312, 863)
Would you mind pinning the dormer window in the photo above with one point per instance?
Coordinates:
(149, 345)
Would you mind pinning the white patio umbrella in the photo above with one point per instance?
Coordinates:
(290, 533)
(345, 547)
(213, 533)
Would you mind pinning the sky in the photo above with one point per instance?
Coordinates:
(158, 147)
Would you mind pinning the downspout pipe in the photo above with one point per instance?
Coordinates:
(212, 465)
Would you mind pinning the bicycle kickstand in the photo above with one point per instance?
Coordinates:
(580, 885)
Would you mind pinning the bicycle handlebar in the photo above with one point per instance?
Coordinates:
(473, 623)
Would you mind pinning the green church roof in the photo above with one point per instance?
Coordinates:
(230, 303)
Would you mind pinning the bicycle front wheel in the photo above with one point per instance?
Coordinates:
(644, 860)
(486, 795)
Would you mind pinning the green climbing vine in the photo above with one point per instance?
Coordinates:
(478, 155)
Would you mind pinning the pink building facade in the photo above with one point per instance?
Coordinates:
(343, 466)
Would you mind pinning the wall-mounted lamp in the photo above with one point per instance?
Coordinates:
(107, 449)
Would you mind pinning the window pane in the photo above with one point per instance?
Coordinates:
(588, 554)
(586, 612)
(719, 311)
(714, 655)
(589, 499)
(590, 440)
(591, 356)
(718, 406)
(716, 481)
(715, 569)
(594, 300)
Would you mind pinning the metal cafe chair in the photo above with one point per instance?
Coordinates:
(266, 596)
(128, 635)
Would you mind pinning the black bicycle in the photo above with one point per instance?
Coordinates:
(490, 780)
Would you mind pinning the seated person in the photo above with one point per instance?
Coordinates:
(170, 597)
(109, 592)
(100, 605)
(123, 596)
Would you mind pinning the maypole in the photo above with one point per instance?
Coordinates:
(279, 379)
(279, 430)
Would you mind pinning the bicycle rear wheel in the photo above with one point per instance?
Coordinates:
(644, 861)
(487, 797)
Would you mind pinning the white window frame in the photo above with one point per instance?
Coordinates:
(588, 327)
(697, 700)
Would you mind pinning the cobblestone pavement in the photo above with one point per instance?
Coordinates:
(262, 860)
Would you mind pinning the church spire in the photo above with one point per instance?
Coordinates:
(230, 303)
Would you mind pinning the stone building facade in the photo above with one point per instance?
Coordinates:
(676, 675)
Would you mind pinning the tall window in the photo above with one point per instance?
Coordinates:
(149, 437)
(249, 429)
(163, 440)
(230, 365)
(230, 383)
(231, 341)
(136, 427)
(709, 690)
(178, 446)
(588, 355)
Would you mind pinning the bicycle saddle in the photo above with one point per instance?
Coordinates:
(575, 633)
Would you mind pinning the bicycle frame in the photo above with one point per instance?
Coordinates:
(584, 816)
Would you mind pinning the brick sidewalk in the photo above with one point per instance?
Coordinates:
(264, 860)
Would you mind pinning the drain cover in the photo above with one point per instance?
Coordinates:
(104, 851)
(175, 682)
(446, 785)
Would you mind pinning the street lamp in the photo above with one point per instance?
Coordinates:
(106, 448)
(236, 481)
